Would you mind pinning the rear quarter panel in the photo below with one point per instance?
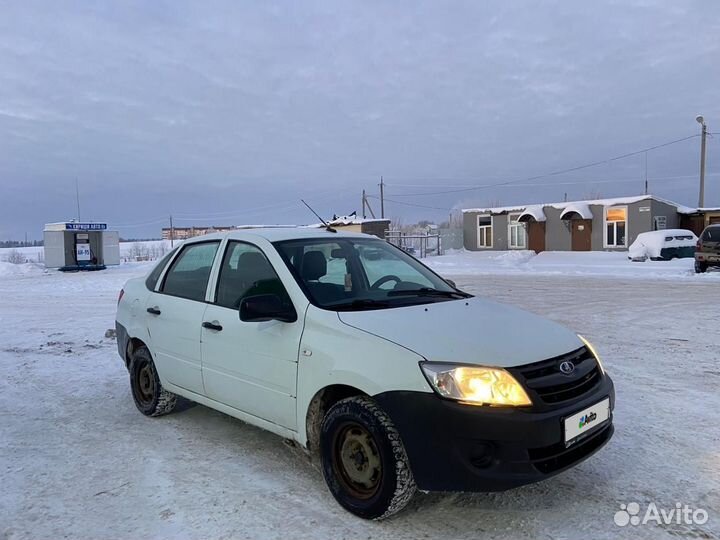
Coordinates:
(131, 310)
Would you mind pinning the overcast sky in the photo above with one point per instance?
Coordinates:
(229, 112)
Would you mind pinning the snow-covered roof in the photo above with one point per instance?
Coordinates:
(688, 210)
(563, 205)
(580, 208)
(535, 212)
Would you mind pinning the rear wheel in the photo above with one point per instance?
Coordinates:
(150, 397)
(363, 459)
(700, 267)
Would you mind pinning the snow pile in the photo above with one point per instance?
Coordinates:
(650, 244)
(10, 269)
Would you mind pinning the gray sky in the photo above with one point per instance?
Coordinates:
(229, 112)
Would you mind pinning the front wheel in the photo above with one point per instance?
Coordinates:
(363, 459)
(700, 267)
(150, 397)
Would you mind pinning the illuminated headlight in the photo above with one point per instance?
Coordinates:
(594, 353)
(475, 385)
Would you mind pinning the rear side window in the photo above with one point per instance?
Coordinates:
(711, 234)
(188, 276)
(152, 279)
(245, 271)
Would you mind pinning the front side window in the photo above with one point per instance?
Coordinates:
(485, 231)
(245, 271)
(517, 234)
(615, 226)
(359, 274)
(188, 276)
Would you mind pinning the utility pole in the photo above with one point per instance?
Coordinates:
(172, 234)
(701, 199)
(77, 197)
(382, 198)
(363, 204)
(646, 180)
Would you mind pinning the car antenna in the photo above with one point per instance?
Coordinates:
(327, 227)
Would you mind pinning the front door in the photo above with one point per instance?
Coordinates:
(581, 234)
(536, 236)
(250, 366)
(174, 315)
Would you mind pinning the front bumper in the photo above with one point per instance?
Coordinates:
(456, 447)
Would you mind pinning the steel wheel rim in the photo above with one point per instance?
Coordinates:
(357, 461)
(145, 383)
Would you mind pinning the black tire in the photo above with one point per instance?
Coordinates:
(700, 267)
(363, 459)
(149, 396)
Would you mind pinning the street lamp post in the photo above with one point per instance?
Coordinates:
(701, 199)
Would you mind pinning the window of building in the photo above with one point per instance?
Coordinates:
(188, 276)
(485, 231)
(616, 226)
(517, 233)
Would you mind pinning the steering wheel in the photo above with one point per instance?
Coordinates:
(384, 280)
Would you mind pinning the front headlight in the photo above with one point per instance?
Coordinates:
(475, 385)
(593, 352)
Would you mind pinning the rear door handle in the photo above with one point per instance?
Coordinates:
(212, 326)
(154, 310)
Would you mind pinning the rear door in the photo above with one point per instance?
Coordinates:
(250, 366)
(175, 312)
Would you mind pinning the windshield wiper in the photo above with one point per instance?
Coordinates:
(427, 291)
(360, 304)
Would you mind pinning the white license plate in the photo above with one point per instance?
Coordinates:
(586, 420)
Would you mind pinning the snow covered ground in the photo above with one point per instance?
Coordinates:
(78, 461)
(591, 263)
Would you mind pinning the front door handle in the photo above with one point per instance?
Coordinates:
(212, 326)
(154, 310)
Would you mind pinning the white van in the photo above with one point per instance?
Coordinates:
(390, 375)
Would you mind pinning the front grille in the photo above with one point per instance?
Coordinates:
(551, 385)
(552, 458)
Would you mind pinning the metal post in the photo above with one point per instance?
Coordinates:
(382, 198)
(363, 204)
(701, 198)
(172, 233)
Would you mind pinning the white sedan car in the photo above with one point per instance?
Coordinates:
(390, 376)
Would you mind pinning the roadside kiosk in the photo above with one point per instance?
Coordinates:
(73, 246)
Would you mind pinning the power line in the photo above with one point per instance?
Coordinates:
(553, 173)
(409, 204)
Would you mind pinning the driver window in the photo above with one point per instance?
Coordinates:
(245, 271)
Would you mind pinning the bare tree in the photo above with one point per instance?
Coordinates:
(15, 257)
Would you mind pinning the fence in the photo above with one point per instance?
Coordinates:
(416, 243)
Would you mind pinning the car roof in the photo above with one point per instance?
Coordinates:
(275, 234)
(667, 232)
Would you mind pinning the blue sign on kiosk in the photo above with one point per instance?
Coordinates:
(85, 226)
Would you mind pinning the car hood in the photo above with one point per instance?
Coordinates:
(470, 331)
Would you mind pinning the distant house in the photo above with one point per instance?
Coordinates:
(183, 233)
(591, 225)
(352, 223)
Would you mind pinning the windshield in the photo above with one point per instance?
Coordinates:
(360, 274)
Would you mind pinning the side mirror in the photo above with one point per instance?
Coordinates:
(451, 283)
(266, 307)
